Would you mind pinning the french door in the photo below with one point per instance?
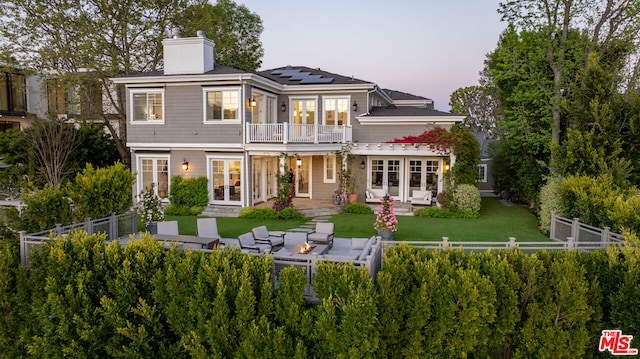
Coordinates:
(385, 174)
(225, 180)
(154, 170)
(423, 175)
(302, 179)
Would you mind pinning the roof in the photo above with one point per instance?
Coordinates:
(302, 75)
(391, 111)
(217, 70)
(397, 95)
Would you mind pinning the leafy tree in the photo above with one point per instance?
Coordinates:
(467, 152)
(479, 106)
(91, 41)
(95, 147)
(603, 23)
(234, 29)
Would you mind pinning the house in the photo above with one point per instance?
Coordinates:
(198, 118)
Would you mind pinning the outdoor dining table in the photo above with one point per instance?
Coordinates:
(207, 243)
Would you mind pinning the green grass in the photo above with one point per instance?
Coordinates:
(496, 223)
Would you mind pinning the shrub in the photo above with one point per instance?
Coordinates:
(257, 213)
(549, 202)
(290, 213)
(97, 193)
(466, 197)
(444, 213)
(44, 208)
(358, 208)
(189, 192)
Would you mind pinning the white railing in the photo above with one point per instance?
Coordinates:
(287, 133)
(581, 234)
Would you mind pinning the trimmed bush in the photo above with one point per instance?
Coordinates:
(97, 193)
(550, 201)
(290, 213)
(444, 213)
(187, 196)
(257, 213)
(44, 208)
(358, 208)
(466, 198)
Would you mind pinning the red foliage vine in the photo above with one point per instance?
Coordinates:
(437, 139)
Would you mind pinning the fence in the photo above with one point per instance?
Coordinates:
(114, 226)
(580, 235)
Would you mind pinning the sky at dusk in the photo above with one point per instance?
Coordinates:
(428, 48)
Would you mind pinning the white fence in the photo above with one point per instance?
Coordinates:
(582, 235)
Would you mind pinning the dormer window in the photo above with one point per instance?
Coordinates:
(147, 106)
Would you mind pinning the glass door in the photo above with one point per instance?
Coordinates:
(225, 180)
(385, 174)
(155, 171)
(302, 180)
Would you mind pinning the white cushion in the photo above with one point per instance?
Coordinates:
(367, 249)
(427, 197)
(359, 243)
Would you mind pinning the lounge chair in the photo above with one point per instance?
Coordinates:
(208, 228)
(168, 227)
(247, 241)
(262, 235)
(374, 195)
(421, 198)
(323, 234)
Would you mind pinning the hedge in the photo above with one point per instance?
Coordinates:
(85, 298)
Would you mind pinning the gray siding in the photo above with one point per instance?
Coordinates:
(184, 115)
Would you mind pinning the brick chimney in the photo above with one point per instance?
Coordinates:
(188, 55)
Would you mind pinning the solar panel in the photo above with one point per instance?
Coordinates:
(304, 77)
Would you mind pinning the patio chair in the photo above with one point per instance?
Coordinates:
(247, 241)
(323, 234)
(262, 235)
(208, 228)
(168, 227)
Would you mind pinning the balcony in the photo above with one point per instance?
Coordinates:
(286, 133)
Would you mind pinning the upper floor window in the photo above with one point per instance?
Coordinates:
(13, 92)
(147, 106)
(222, 105)
(336, 111)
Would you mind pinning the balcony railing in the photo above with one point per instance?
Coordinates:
(287, 133)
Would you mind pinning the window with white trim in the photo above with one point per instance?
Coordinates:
(482, 173)
(222, 105)
(147, 106)
(329, 169)
(336, 111)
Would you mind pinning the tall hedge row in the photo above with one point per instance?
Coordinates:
(83, 298)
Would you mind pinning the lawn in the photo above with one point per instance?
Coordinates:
(496, 223)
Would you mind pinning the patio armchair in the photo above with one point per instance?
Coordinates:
(262, 235)
(421, 198)
(168, 227)
(208, 228)
(323, 234)
(247, 241)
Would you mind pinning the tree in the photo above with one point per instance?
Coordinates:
(479, 107)
(604, 25)
(51, 142)
(90, 40)
(234, 29)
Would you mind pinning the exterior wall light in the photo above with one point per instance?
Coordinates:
(355, 106)
(283, 107)
(299, 162)
(362, 164)
(185, 165)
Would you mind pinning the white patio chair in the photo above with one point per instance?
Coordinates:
(262, 235)
(168, 227)
(247, 241)
(208, 228)
(323, 234)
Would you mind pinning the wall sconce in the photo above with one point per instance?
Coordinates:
(283, 107)
(185, 165)
(253, 102)
(446, 167)
(354, 106)
(362, 164)
(299, 162)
